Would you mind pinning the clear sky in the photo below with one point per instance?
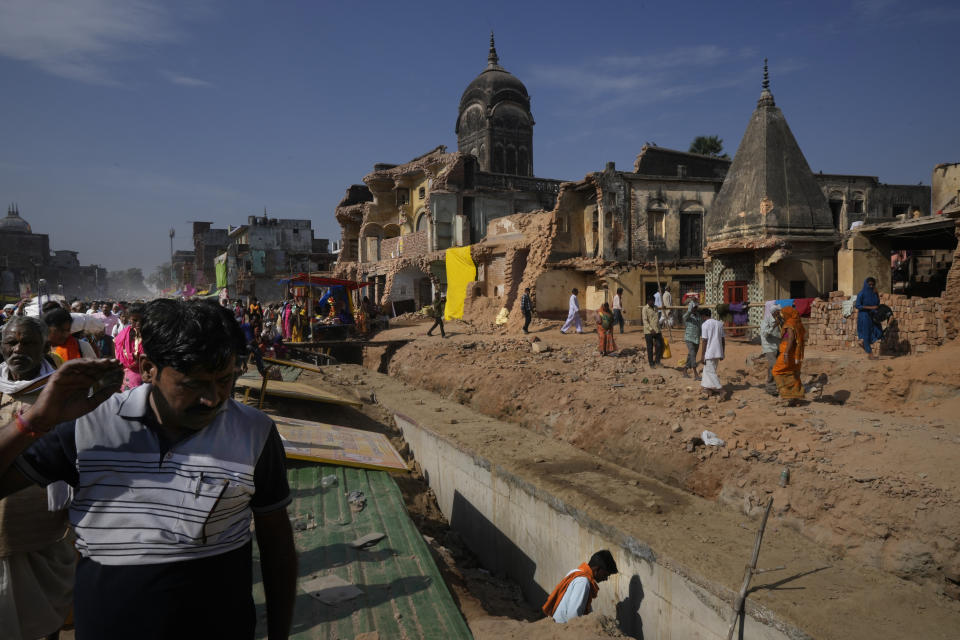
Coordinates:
(123, 118)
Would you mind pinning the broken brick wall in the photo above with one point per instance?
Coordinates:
(917, 325)
(951, 295)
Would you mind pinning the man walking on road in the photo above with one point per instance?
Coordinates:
(526, 308)
(713, 345)
(573, 314)
(651, 333)
(437, 312)
(618, 308)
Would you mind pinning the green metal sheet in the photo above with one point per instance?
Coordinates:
(404, 595)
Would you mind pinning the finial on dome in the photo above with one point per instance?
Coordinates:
(492, 58)
(766, 98)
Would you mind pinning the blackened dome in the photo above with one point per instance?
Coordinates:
(493, 86)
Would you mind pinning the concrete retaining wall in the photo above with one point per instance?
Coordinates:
(521, 531)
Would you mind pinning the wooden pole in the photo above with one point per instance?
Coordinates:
(750, 571)
(289, 363)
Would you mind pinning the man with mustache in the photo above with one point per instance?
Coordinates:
(37, 559)
(167, 477)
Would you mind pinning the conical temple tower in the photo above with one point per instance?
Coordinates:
(769, 234)
(769, 190)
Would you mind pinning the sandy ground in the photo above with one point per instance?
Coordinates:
(871, 456)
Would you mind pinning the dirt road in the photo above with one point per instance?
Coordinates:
(871, 457)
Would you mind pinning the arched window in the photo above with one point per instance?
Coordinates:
(497, 162)
(856, 205)
(656, 221)
(523, 162)
(422, 221)
(836, 207)
(691, 231)
(511, 165)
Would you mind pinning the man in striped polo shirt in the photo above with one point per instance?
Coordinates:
(167, 478)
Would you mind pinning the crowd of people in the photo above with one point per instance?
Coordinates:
(782, 336)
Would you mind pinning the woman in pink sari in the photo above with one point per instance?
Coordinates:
(129, 347)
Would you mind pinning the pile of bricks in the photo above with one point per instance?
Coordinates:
(917, 325)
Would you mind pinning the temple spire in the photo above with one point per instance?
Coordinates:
(492, 59)
(766, 98)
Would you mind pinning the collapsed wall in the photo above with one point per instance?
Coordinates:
(951, 295)
(918, 324)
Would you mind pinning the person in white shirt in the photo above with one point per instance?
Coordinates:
(712, 344)
(573, 596)
(618, 308)
(573, 314)
(667, 299)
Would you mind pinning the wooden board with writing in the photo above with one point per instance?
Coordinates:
(333, 444)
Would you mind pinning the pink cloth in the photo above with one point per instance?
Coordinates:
(128, 357)
(287, 322)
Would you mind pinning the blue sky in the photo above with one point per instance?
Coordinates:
(123, 118)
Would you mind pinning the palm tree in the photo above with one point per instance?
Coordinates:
(708, 146)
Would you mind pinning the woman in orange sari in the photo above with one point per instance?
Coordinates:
(605, 330)
(786, 372)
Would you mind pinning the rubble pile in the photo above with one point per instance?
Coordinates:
(917, 324)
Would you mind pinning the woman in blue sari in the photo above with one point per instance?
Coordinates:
(867, 302)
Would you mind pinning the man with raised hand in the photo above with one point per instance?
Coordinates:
(167, 478)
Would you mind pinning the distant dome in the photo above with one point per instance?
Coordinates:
(13, 223)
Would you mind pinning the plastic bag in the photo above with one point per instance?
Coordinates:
(711, 439)
(666, 349)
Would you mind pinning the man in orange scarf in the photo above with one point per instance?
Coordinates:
(575, 593)
(63, 345)
(786, 373)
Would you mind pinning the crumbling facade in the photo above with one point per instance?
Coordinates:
(759, 227)
(865, 199)
(208, 243)
(262, 252)
(397, 223)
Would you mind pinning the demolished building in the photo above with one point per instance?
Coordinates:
(762, 226)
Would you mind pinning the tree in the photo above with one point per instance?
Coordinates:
(708, 146)
(159, 279)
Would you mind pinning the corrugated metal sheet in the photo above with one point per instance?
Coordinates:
(404, 595)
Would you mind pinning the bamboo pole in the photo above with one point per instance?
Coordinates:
(750, 571)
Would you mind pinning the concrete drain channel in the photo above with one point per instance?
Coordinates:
(520, 530)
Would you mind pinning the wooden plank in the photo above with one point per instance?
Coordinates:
(333, 444)
(298, 391)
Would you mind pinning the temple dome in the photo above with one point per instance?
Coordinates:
(13, 223)
(493, 86)
(494, 123)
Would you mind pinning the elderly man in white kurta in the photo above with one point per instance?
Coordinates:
(573, 314)
(713, 344)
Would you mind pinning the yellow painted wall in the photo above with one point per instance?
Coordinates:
(415, 204)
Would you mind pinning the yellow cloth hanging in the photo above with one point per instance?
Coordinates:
(460, 272)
